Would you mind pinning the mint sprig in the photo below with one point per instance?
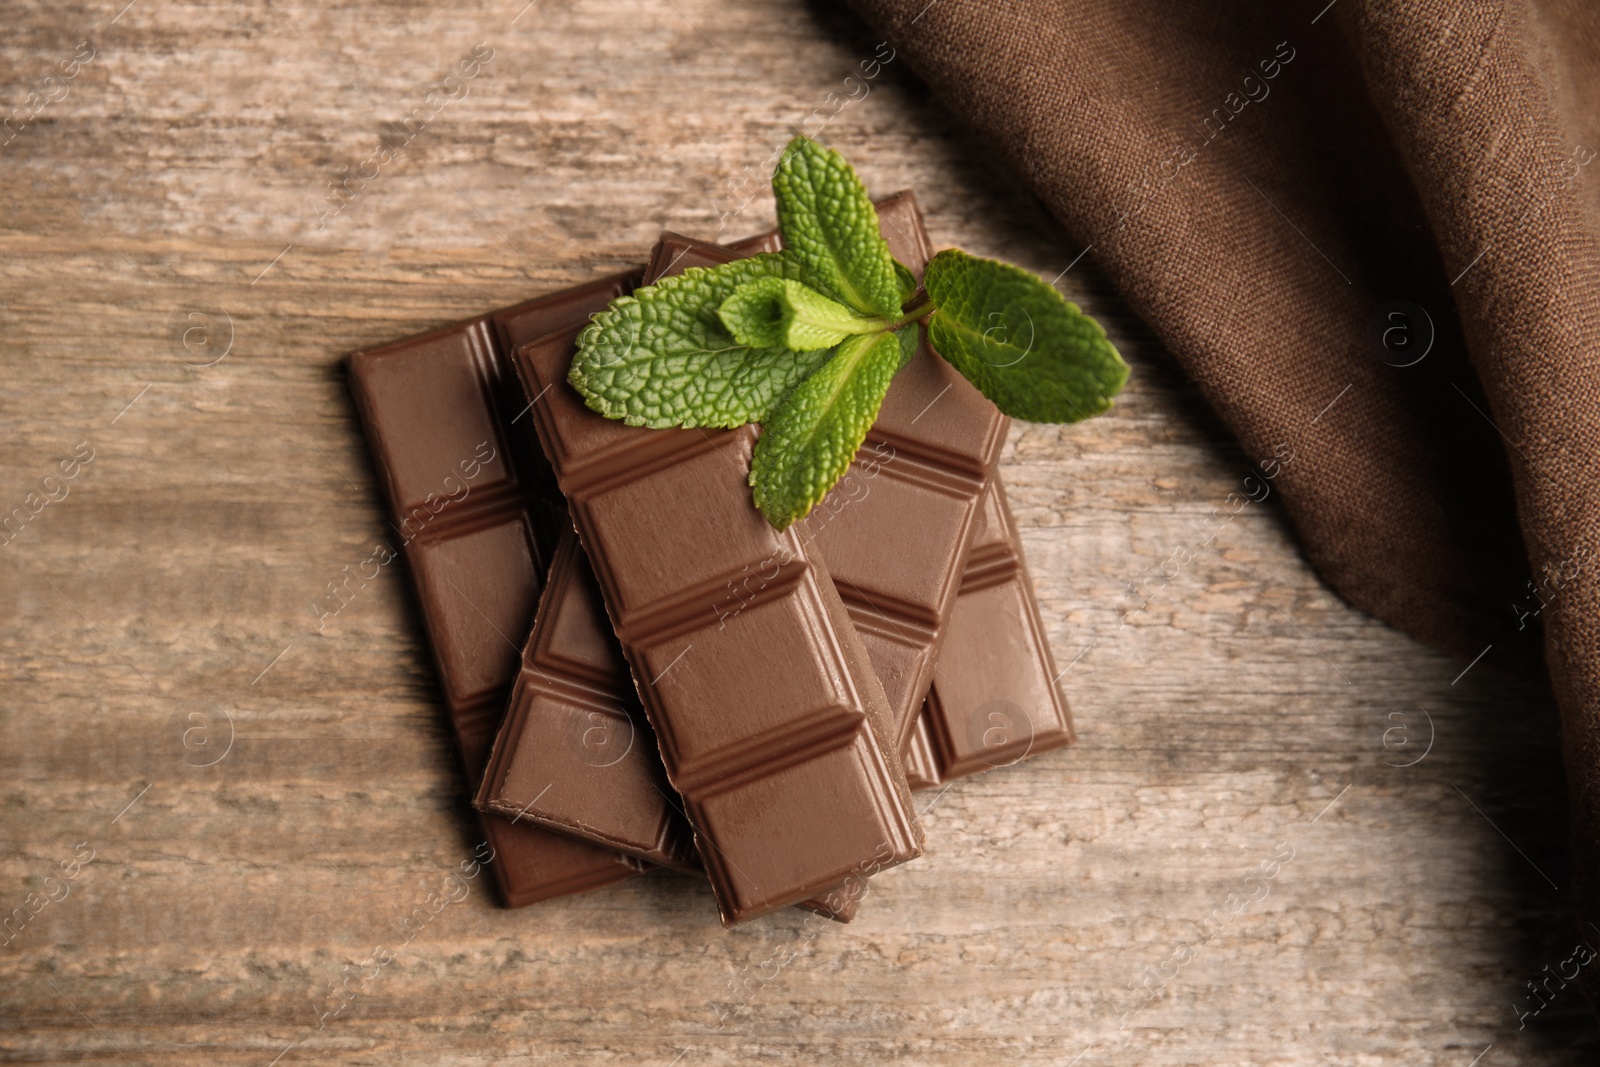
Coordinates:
(807, 341)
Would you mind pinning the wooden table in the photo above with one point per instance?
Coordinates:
(264, 799)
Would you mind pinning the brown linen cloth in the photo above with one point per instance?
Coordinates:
(1261, 181)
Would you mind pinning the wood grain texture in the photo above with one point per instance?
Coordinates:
(165, 613)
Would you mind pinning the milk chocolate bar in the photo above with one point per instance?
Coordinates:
(771, 726)
(575, 753)
(994, 699)
(537, 750)
(463, 488)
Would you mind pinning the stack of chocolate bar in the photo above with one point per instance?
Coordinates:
(642, 672)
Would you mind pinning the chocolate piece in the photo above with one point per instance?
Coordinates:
(994, 699)
(771, 726)
(575, 753)
(435, 408)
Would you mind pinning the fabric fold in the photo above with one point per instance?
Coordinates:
(1369, 233)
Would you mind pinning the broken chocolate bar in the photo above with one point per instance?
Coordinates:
(575, 753)
(994, 699)
(435, 408)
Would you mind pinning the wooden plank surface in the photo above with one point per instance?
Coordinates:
(266, 794)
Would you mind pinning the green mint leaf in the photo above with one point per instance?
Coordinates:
(754, 314)
(780, 312)
(661, 356)
(809, 442)
(910, 337)
(1024, 345)
(908, 281)
(830, 226)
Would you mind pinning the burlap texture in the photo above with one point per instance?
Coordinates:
(1263, 182)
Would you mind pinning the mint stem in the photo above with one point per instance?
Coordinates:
(920, 307)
